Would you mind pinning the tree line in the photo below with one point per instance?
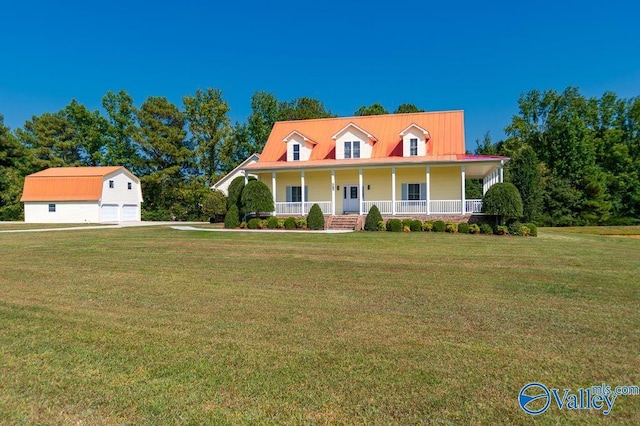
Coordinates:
(575, 160)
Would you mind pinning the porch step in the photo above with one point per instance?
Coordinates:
(343, 222)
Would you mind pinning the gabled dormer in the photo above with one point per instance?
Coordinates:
(353, 142)
(298, 146)
(414, 141)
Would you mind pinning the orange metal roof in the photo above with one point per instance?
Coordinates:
(446, 130)
(66, 184)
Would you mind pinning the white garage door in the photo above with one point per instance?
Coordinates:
(129, 213)
(109, 213)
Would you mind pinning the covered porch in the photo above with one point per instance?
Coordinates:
(398, 190)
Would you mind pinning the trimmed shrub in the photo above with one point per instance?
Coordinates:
(280, 224)
(526, 232)
(215, 206)
(405, 228)
(515, 228)
(290, 223)
(407, 223)
(427, 226)
(373, 219)
(235, 191)
(272, 222)
(473, 229)
(533, 229)
(262, 224)
(502, 199)
(381, 226)
(451, 227)
(256, 197)
(501, 230)
(243, 225)
(416, 226)
(315, 219)
(439, 226)
(232, 218)
(394, 225)
(301, 223)
(463, 228)
(253, 223)
(485, 228)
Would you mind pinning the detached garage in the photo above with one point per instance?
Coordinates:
(82, 195)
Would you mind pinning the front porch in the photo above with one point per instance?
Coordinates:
(431, 189)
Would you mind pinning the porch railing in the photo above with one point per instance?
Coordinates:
(473, 206)
(411, 207)
(384, 206)
(283, 208)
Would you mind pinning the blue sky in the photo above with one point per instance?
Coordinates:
(475, 56)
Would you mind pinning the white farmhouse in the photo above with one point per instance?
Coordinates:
(82, 195)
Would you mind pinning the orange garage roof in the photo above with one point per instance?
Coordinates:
(66, 184)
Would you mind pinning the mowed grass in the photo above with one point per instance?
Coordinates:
(9, 226)
(155, 325)
(599, 230)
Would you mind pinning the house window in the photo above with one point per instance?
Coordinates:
(128, 185)
(413, 147)
(296, 152)
(110, 184)
(356, 149)
(414, 191)
(347, 149)
(294, 194)
(52, 208)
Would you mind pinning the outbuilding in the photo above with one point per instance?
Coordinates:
(82, 195)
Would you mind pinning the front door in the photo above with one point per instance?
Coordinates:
(350, 198)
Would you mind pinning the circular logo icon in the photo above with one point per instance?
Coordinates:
(534, 398)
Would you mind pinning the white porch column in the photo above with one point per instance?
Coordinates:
(302, 192)
(462, 188)
(501, 171)
(246, 177)
(428, 185)
(393, 190)
(333, 192)
(361, 190)
(273, 191)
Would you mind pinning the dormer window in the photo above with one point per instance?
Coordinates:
(414, 141)
(356, 149)
(298, 146)
(353, 142)
(352, 149)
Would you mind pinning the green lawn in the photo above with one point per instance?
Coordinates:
(155, 325)
(8, 226)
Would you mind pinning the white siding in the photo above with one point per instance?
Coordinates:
(353, 134)
(414, 133)
(66, 212)
(305, 148)
(120, 194)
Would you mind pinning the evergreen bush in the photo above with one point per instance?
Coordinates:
(290, 223)
(515, 228)
(463, 228)
(315, 219)
(416, 226)
(485, 228)
(406, 222)
(394, 225)
(474, 229)
(232, 218)
(253, 223)
(256, 197)
(503, 199)
(301, 223)
(272, 222)
(533, 229)
(373, 219)
(451, 227)
(439, 226)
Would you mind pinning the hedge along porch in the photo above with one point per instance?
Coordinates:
(403, 163)
(425, 189)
